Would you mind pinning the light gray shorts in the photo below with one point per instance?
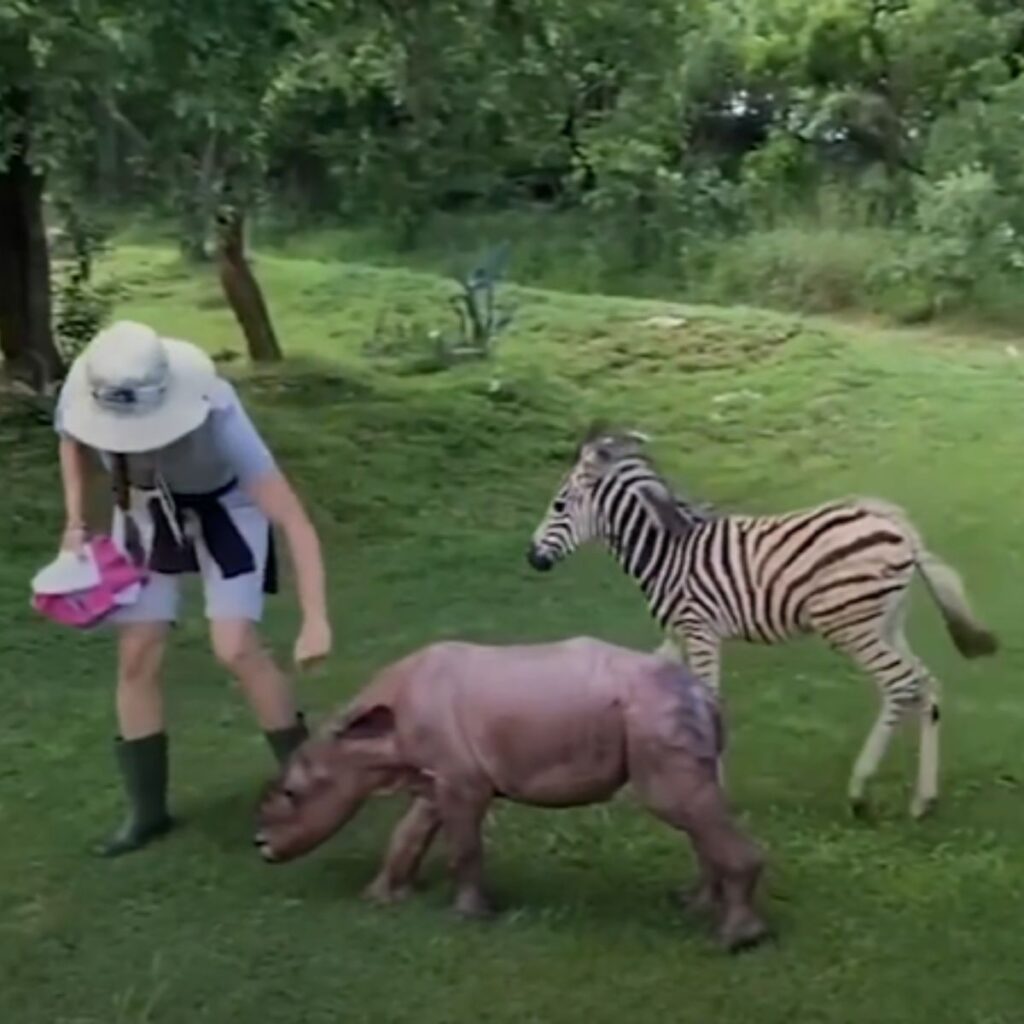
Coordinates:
(240, 597)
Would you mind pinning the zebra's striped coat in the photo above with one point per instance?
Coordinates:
(841, 569)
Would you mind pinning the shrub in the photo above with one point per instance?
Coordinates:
(81, 306)
(964, 232)
(963, 252)
(813, 269)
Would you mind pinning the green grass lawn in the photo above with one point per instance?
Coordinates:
(427, 487)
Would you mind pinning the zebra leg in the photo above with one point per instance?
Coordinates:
(704, 649)
(670, 648)
(870, 757)
(927, 791)
(898, 679)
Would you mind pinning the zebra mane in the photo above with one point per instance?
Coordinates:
(676, 513)
(667, 509)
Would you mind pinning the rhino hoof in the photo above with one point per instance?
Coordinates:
(698, 899)
(474, 908)
(384, 895)
(744, 934)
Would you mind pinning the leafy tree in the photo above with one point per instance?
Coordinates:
(213, 66)
(668, 125)
(53, 59)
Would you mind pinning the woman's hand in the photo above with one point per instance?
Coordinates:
(74, 537)
(274, 495)
(313, 644)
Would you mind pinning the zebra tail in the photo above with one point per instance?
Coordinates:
(969, 635)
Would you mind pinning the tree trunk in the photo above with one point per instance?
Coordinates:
(108, 181)
(26, 330)
(242, 290)
(199, 204)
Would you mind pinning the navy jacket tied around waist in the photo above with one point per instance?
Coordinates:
(225, 542)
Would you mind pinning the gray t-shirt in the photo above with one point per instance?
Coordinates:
(227, 446)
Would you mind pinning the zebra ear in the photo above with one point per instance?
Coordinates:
(638, 436)
(625, 442)
(602, 430)
(605, 445)
(597, 430)
(598, 453)
(597, 446)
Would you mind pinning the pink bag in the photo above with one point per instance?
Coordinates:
(81, 591)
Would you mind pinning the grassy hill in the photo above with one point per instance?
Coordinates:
(427, 487)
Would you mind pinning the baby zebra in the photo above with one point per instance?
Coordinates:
(841, 570)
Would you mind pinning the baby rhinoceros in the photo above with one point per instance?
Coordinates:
(551, 725)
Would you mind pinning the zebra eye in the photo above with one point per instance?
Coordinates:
(558, 506)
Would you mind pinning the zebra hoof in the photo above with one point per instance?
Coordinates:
(922, 807)
(860, 809)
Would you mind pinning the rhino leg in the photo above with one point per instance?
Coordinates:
(462, 813)
(706, 896)
(409, 843)
(737, 864)
(683, 791)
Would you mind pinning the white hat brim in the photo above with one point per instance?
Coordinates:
(191, 384)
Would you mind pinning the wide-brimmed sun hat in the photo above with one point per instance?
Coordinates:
(132, 391)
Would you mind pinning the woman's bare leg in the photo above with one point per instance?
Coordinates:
(238, 647)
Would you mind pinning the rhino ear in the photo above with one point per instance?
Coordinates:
(369, 735)
(368, 724)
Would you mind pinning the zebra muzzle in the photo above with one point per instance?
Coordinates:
(538, 559)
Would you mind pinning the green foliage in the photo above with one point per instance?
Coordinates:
(965, 230)
(652, 213)
(480, 320)
(815, 270)
(59, 62)
(963, 237)
(425, 491)
(82, 309)
(986, 135)
(664, 134)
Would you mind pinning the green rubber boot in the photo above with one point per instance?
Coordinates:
(143, 765)
(284, 741)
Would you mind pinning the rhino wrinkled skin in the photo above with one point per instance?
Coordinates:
(456, 725)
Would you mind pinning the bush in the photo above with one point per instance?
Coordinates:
(813, 269)
(81, 306)
(964, 233)
(82, 310)
(963, 252)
